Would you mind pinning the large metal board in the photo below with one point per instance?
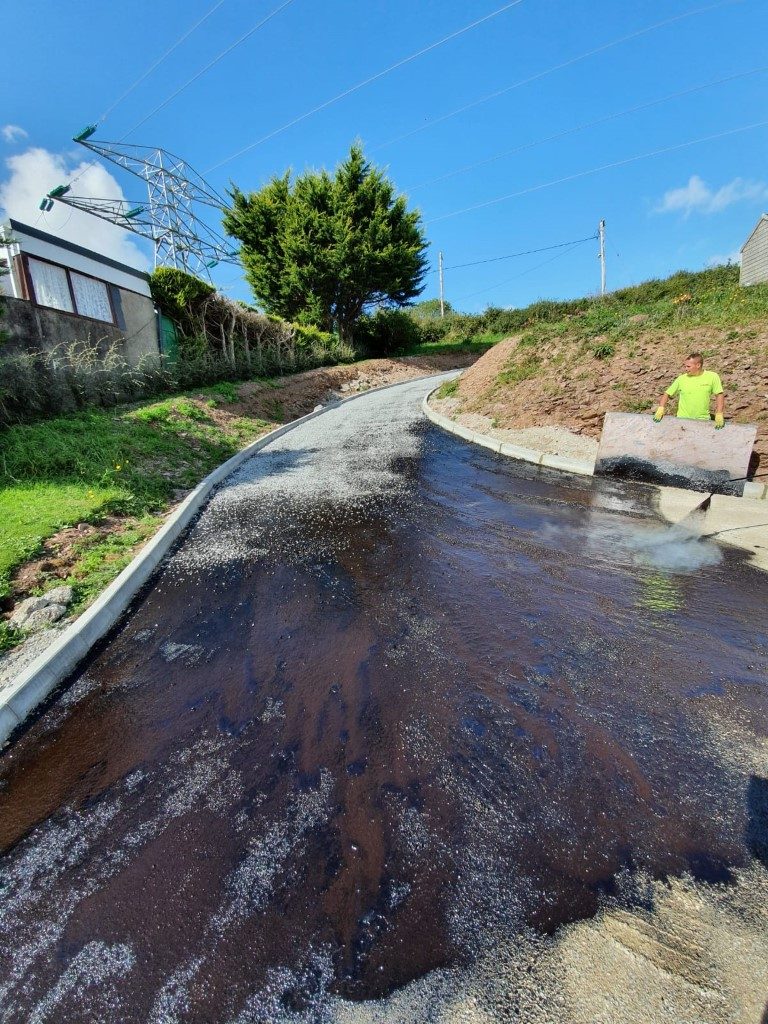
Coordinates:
(692, 450)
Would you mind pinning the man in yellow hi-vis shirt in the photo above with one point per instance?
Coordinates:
(695, 388)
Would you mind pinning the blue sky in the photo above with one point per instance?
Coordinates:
(683, 208)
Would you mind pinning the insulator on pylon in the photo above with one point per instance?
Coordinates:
(169, 219)
(86, 133)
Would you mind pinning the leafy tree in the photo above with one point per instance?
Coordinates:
(325, 249)
(429, 309)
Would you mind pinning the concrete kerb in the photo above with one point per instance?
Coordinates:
(583, 467)
(755, 491)
(46, 672)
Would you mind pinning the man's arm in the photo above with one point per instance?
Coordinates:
(719, 411)
(661, 408)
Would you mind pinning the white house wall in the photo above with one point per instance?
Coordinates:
(754, 256)
(33, 328)
(75, 261)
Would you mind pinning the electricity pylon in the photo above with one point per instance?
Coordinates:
(169, 217)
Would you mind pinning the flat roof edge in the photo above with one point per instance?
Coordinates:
(44, 236)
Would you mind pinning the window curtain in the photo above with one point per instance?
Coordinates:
(50, 284)
(91, 297)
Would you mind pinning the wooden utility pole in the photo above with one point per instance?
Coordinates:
(601, 236)
(442, 289)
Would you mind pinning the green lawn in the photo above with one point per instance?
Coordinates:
(31, 512)
(126, 461)
(479, 344)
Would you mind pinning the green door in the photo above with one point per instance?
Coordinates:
(169, 341)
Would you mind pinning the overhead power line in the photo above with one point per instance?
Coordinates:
(514, 255)
(211, 64)
(159, 61)
(550, 71)
(582, 127)
(363, 84)
(523, 273)
(159, 107)
(596, 170)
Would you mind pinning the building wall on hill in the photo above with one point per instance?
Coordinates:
(754, 255)
(57, 293)
(33, 328)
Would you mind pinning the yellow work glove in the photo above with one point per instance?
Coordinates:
(719, 421)
(658, 416)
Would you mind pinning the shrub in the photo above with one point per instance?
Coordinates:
(433, 331)
(386, 332)
(178, 295)
(603, 350)
(429, 309)
(211, 323)
(504, 321)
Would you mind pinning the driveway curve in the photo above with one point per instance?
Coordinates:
(395, 716)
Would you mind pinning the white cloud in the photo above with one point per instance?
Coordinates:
(698, 197)
(36, 171)
(12, 132)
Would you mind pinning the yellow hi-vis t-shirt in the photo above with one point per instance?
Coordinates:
(695, 393)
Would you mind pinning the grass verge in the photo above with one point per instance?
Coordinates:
(447, 388)
(127, 463)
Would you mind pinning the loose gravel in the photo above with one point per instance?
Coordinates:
(402, 732)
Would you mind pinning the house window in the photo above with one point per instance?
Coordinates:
(69, 291)
(91, 297)
(51, 285)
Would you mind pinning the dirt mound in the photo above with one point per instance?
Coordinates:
(287, 398)
(482, 375)
(562, 382)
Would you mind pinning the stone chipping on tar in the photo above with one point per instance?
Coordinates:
(402, 731)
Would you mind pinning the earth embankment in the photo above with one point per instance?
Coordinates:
(561, 385)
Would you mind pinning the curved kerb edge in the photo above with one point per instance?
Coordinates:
(38, 680)
(582, 467)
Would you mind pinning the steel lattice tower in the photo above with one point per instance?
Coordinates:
(169, 218)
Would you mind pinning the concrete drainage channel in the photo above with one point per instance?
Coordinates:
(41, 677)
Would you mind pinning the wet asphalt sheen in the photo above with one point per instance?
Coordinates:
(394, 699)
